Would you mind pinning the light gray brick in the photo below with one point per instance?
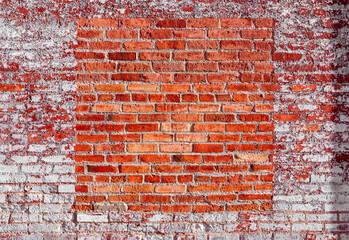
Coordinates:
(256, 236)
(274, 227)
(125, 217)
(44, 228)
(307, 227)
(289, 236)
(8, 228)
(81, 217)
(220, 217)
(224, 237)
(120, 227)
(336, 227)
(321, 217)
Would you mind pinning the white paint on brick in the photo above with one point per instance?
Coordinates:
(25, 159)
(64, 188)
(321, 217)
(8, 169)
(64, 169)
(44, 227)
(218, 217)
(288, 236)
(306, 227)
(56, 159)
(36, 148)
(37, 169)
(81, 217)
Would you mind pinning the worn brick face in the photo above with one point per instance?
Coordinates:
(158, 129)
(260, 95)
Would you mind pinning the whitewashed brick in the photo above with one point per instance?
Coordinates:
(306, 227)
(64, 188)
(81, 217)
(44, 227)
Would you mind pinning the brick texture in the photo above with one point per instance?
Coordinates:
(178, 117)
(295, 54)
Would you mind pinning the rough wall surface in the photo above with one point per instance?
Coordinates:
(38, 98)
(184, 124)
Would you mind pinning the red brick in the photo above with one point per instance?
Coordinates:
(122, 34)
(145, 188)
(224, 138)
(208, 88)
(254, 56)
(203, 23)
(189, 34)
(255, 77)
(188, 56)
(91, 138)
(222, 77)
(99, 169)
(157, 137)
(171, 44)
(89, 55)
(123, 198)
(154, 56)
(134, 77)
(236, 44)
(103, 23)
(156, 199)
(203, 44)
(189, 78)
(207, 148)
(204, 188)
(157, 77)
(169, 67)
(138, 45)
(237, 22)
(172, 23)
(175, 88)
(92, 77)
(264, 45)
(134, 169)
(89, 158)
(141, 127)
(241, 128)
(283, 57)
(122, 56)
(263, 67)
(235, 66)
(226, 33)
(243, 207)
(170, 189)
(90, 34)
(207, 208)
(264, 23)
(100, 66)
(110, 87)
(134, 67)
(202, 67)
(137, 22)
(121, 158)
(103, 45)
(191, 138)
(156, 33)
(256, 34)
(152, 158)
(176, 208)
(220, 56)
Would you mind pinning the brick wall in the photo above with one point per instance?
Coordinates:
(174, 115)
(42, 196)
